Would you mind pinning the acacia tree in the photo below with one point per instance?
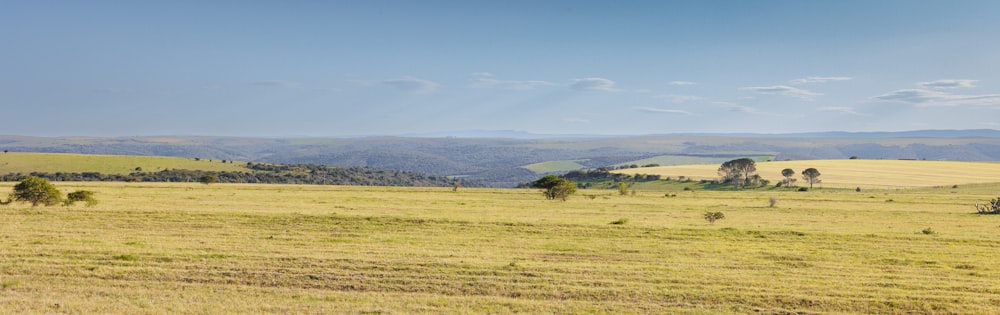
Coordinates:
(37, 191)
(739, 172)
(555, 187)
(811, 175)
(788, 173)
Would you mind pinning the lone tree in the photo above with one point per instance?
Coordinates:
(37, 191)
(555, 187)
(739, 172)
(788, 173)
(711, 217)
(811, 175)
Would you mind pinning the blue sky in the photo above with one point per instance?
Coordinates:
(340, 68)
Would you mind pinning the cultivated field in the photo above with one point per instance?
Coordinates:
(191, 248)
(885, 174)
(23, 162)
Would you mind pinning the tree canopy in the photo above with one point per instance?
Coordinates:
(555, 187)
(811, 175)
(739, 172)
(37, 191)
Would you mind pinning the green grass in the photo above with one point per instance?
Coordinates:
(191, 248)
(19, 162)
(555, 166)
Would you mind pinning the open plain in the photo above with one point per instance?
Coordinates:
(229, 248)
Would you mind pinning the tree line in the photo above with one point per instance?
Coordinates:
(260, 173)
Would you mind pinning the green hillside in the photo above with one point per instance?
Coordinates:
(21, 162)
(555, 166)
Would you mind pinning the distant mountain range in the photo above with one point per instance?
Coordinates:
(496, 158)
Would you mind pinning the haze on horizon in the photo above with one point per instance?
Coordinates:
(256, 68)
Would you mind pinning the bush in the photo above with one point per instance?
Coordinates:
(803, 189)
(991, 207)
(81, 195)
(928, 231)
(772, 201)
(711, 217)
(621, 221)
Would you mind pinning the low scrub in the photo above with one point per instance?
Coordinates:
(991, 207)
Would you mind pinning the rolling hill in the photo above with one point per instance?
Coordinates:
(882, 174)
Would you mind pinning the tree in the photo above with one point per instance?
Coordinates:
(622, 189)
(37, 191)
(788, 173)
(811, 175)
(739, 172)
(555, 187)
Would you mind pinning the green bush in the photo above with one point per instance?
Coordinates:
(80, 195)
(37, 191)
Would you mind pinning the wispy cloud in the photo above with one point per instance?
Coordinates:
(733, 107)
(783, 90)
(810, 80)
(483, 80)
(593, 84)
(664, 111)
(931, 98)
(841, 109)
(680, 98)
(948, 84)
(275, 83)
(575, 120)
(681, 83)
(411, 84)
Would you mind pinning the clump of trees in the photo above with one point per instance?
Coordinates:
(788, 173)
(740, 173)
(555, 187)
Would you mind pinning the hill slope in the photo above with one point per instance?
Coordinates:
(853, 173)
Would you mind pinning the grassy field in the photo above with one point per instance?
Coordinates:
(883, 174)
(688, 160)
(164, 248)
(20, 162)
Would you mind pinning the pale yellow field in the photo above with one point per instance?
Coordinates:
(27, 162)
(884, 174)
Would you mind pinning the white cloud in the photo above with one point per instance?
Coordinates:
(275, 83)
(576, 120)
(738, 108)
(948, 84)
(930, 98)
(593, 84)
(680, 98)
(841, 109)
(484, 80)
(783, 90)
(682, 83)
(664, 111)
(809, 80)
(411, 84)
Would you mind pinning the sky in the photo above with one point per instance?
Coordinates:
(359, 68)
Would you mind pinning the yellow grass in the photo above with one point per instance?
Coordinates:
(167, 248)
(22, 162)
(887, 174)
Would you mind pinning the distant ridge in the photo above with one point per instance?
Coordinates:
(516, 134)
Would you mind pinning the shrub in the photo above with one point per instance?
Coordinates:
(991, 207)
(80, 195)
(711, 217)
(208, 179)
(621, 221)
(928, 231)
(772, 201)
(803, 189)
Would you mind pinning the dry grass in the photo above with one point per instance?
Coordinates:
(883, 174)
(21, 162)
(191, 248)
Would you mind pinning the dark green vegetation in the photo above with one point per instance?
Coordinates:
(36, 191)
(499, 162)
(555, 187)
(259, 173)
